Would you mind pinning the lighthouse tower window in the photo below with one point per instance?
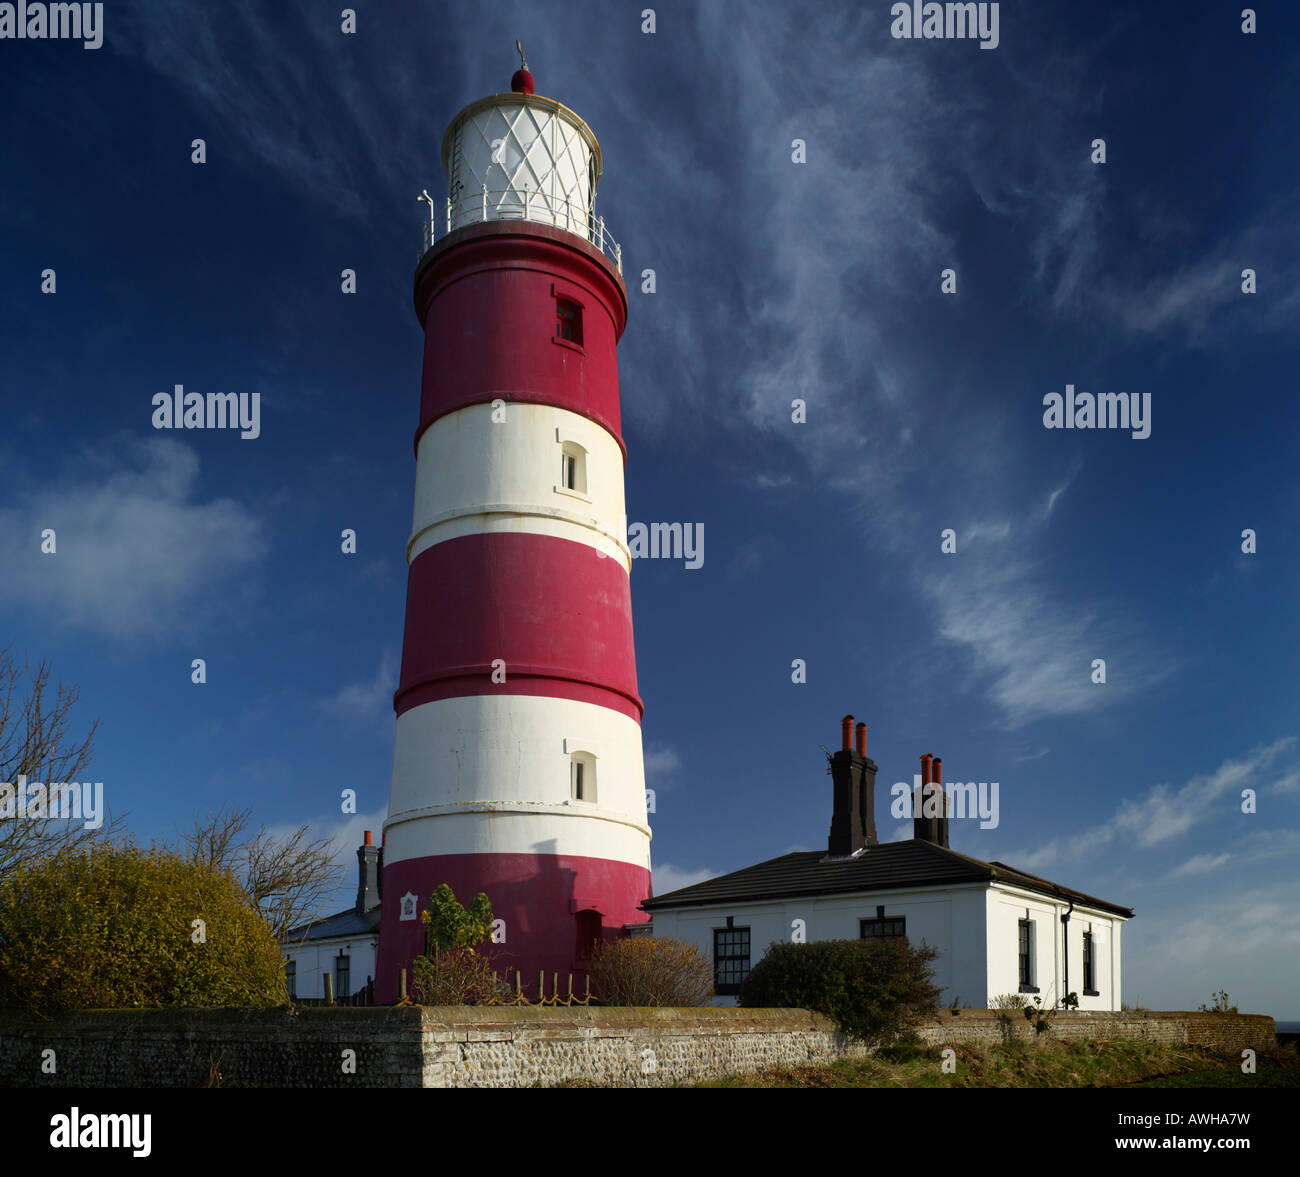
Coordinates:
(582, 776)
(568, 321)
(573, 468)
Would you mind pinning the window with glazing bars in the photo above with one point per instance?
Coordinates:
(1026, 955)
(891, 928)
(730, 958)
(568, 321)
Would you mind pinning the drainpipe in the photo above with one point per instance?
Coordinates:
(1065, 950)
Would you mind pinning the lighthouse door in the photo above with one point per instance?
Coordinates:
(589, 935)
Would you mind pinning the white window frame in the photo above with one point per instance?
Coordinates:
(583, 763)
(571, 451)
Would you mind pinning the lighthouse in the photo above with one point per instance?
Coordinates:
(517, 762)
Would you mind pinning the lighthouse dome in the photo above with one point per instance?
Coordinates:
(522, 156)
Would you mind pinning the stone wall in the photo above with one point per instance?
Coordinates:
(283, 1047)
(1228, 1032)
(500, 1046)
(523, 1047)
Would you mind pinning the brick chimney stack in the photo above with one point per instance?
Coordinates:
(853, 776)
(368, 881)
(930, 804)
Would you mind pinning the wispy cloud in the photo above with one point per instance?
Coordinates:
(137, 551)
(660, 762)
(1031, 755)
(303, 111)
(671, 878)
(1163, 813)
(749, 557)
(368, 700)
(1288, 783)
(1200, 864)
(1243, 940)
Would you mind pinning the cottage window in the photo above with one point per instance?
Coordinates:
(892, 928)
(1089, 979)
(730, 959)
(1027, 957)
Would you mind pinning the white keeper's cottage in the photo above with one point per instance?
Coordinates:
(345, 945)
(998, 930)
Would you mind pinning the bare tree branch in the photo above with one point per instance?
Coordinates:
(35, 745)
(286, 878)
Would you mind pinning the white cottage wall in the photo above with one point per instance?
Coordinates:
(949, 919)
(316, 958)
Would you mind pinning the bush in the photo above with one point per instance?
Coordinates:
(451, 972)
(111, 926)
(449, 925)
(649, 970)
(1221, 1004)
(875, 990)
(455, 976)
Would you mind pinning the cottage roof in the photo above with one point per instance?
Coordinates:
(890, 866)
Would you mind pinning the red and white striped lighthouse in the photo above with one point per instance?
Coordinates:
(517, 768)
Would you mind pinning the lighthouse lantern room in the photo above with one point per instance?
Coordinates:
(517, 763)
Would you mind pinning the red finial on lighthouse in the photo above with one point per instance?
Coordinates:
(522, 82)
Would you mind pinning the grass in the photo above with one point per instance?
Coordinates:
(1044, 1063)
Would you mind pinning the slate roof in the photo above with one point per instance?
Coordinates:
(888, 867)
(346, 923)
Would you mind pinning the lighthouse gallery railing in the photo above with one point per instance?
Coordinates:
(506, 204)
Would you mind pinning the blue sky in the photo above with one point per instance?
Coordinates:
(775, 280)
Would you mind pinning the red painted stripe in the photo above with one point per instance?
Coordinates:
(557, 613)
(537, 895)
(488, 309)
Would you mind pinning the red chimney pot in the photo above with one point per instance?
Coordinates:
(862, 739)
(367, 837)
(925, 768)
(846, 733)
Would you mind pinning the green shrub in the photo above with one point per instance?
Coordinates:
(455, 976)
(449, 925)
(112, 926)
(451, 972)
(650, 970)
(875, 990)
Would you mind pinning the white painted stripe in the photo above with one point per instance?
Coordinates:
(475, 475)
(492, 773)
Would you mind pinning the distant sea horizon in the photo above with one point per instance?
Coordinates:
(1288, 1027)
